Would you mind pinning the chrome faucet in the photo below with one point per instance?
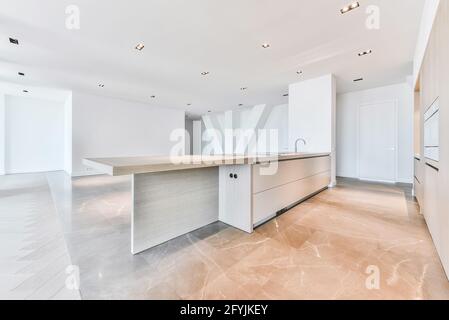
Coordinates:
(296, 143)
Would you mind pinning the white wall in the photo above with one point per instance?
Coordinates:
(106, 127)
(278, 119)
(197, 147)
(34, 131)
(347, 124)
(68, 135)
(189, 138)
(2, 134)
(16, 90)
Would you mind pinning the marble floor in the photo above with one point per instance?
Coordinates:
(356, 241)
(34, 259)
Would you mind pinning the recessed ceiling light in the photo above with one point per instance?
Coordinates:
(265, 45)
(243, 88)
(140, 46)
(101, 85)
(350, 7)
(357, 80)
(364, 53)
(14, 41)
(21, 73)
(26, 91)
(205, 73)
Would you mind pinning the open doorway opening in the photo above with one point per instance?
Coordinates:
(34, 135)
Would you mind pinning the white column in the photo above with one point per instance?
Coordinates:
(312, 108)
(197, 137)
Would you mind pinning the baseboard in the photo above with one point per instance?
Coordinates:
(85, 174)
(401, 181)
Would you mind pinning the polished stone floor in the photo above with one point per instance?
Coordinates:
(34, 259)
(356, 241)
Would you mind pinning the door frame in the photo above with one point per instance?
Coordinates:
(396, 153)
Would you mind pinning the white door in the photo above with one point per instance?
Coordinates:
(377, 141)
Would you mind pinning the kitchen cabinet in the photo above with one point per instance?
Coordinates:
(250, 197)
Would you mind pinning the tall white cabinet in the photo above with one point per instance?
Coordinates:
(312, 116)
(432, 168)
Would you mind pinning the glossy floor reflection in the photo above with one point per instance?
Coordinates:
(34, 260)
(326, 248)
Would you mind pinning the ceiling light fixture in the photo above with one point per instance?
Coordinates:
(14, 41)
(140, 46)
(350, 7)
(205, 73)
(364, 53)
(357, 80)
(21, 73)
(265, 45)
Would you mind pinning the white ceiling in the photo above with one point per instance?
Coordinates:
(184, 38)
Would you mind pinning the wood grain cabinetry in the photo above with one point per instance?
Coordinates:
(434, 83)
(418, 179)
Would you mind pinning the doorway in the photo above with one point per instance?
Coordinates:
(34, 135)
(377, 145)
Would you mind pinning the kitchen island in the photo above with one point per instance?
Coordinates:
(176, 195)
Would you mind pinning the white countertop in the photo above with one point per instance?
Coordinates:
(133, 165)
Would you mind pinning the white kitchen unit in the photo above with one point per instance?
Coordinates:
(418, 180)
(431, 194)
(250, 197)
(432, 132)
(176, 195)
(295, 181)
